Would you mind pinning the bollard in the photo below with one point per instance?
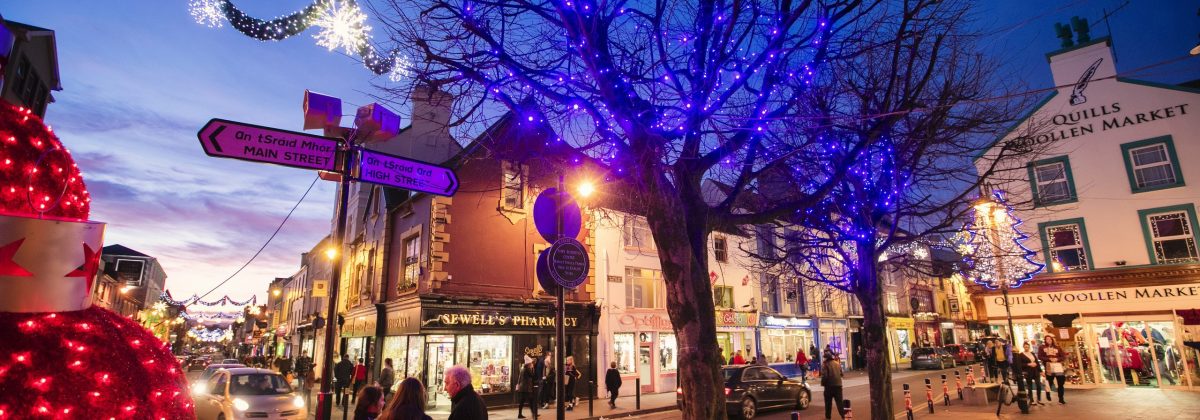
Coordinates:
(849, 412)
(591, 397)
(346, 405)
(945, 391)
(795, 415)
(929, 394)
(971, 377)
(908, 402)
(637, 388)
(958, 384)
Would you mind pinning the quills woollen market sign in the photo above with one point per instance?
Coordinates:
(1086, 121)
(1149, 298)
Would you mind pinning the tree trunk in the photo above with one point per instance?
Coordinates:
(874, 330)
(682, 243)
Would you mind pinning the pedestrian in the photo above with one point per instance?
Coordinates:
(762, 360)
(465, 404)
(1054, 357)
(802, 364)
(408, 404)
(612, 381)
(1031, 372)
(721, 356)
(570, 375)
(342, 372)
(738, 359)
(548, 384)
(387, 377)
(831, 380)
(989, 360)
(525, 386)
(303, 366)
(1003, 357)
(370, 403)
(360, 377)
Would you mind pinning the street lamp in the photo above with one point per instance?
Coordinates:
(276, 292)
(586, 188)
(331, 252)
(992, 212)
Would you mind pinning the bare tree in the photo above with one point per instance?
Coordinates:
(790, 106)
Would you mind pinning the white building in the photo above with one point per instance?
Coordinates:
(1114, 196)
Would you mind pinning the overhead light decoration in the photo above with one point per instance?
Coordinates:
(343, 25)
(209, 13)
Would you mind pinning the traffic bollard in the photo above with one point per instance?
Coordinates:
(908, 402)
(591, 397)
(945, 391)
(929, 394)
(795, 415)
(637, 389)
(849, 411)
(345, 405)
(971, 377)
(958, 384)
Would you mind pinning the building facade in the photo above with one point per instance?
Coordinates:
(1113, 192)
(28, 65)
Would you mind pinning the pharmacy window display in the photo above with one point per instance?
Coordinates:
(668, 349)
(490, 362)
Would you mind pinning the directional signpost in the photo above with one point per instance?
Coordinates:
(231, 139)
(395, 171)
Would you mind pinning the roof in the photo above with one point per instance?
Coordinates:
(118, 249)
(246, 370)
(31, 31)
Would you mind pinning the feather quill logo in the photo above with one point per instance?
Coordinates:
(1077, 92)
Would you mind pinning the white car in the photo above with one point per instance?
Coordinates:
(247, 393)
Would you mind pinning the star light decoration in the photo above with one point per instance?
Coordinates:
(209, 13)
(343, 25)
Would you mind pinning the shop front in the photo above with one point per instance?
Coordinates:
(835, 335)
(358, 338)
(645, 348)
(900, 338)
(785, 336)
(736, 328)
(927, 330)
(492, 339)
(1114, 337)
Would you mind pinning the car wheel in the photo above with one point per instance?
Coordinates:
(749, 408)
(221, 416)
(803, 399)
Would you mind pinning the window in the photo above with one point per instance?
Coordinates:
(1152, 164)
(1052, 181)
(720, 248)
(827, 305)
(624, 352)
(491, 362)
(411, 263)
(723, 297)
(1170, 234)
(891, 303)
(668, 349)
(513, 196)
(1065, 242)
(637, 234)
(642, 288)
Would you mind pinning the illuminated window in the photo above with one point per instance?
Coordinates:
(1171, 233)
(637, 235)
(723, 297)
(412, 262)
(513, 195)
(1152, 164)
(643, 288)
(720, 249)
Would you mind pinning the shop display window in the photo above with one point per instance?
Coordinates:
(395, 348)
(416, 347)
(668, 350)
(902, 344)
(624, 351)
(490, 362)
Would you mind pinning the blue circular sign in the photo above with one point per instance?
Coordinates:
(568, 262)
(547, 205)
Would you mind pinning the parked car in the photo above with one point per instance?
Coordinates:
(932, 358)
(962, 354)
(243, 392)
(749, 388)
(977, 348)
(234, 361)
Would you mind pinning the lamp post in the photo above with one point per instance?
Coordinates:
(987, 207)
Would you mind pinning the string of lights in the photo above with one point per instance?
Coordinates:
(195, 300)
(984, 257)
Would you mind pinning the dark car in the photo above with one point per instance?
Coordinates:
(197, 363)
(962, 354)
(932, 358)
(749, 388)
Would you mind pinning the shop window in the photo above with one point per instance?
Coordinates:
(412, 262)
(668, 350)
(1065, 245)
(625, 352)
(1152, 164)
(891, 303)
(1170, 234)
(720, 248)
(395, 348)
(416, 360)
(636, 234)
(643, 288)
(1052, 181)
(723, 297)
(513, 195)
(490, 362)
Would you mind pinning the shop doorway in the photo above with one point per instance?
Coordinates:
(1138, 354)
(645, 359)
(438, 356)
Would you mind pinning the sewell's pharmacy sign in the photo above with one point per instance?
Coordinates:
(1148, 298)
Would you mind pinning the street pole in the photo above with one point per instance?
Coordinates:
(325, 398)
(1012, 332)
(559, 313)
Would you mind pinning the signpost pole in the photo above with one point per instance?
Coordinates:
(559, 313)
(325, 398)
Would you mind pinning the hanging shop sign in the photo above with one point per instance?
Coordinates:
(1149, 298)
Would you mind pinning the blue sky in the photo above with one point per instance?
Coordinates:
(141, 77)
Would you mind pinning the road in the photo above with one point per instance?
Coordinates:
(858, 392)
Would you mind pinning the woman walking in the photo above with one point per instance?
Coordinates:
(570, 374)
(408, 403)
(1054, 357)
(1031, 372)
(612, 381)
(525, 389)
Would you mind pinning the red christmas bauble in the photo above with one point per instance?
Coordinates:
(91, 364)
(38, 177)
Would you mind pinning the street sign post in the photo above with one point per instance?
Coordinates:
(567, 261)
(395, 171)
(237, 140)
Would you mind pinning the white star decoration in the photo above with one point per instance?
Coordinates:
(342, 26)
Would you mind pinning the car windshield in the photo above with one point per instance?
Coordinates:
(729, 373)
(208, 372)
(259, 384)
(924, 350)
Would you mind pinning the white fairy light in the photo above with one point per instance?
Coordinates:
(207, 12)
(342, 26)
(401, 68)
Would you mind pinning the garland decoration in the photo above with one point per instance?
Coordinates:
(992, 244)
(224, 300)
(342, 25)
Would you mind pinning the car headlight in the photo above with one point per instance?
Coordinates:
(240, 404)
(198, 388)
(299, 402)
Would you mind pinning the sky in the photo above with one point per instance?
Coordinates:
(140, 78)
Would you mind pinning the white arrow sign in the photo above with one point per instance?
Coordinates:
(399, 172)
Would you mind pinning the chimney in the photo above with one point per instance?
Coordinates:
(1081, 63)
(430, 111)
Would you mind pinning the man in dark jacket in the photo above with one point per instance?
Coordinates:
(465, 404)
(612, 381)
(341, 374)
(831, 380)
